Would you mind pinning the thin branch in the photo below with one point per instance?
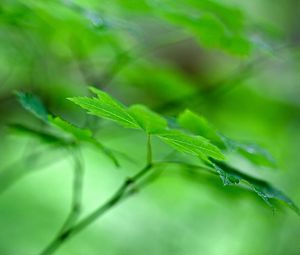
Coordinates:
(69, 229)
(128, 188)
(77, 191)
(149, 150)
(84, 223)
(146, 181)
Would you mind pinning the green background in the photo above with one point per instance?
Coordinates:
(235, 62)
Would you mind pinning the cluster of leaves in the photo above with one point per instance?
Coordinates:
(194, 136)
(191, 134)
(142, 118)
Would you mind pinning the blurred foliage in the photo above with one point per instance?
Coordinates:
(234, 64)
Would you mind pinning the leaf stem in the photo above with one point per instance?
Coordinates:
(149, 150)
(77, 191)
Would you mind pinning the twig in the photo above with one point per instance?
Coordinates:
(114, 200)
(69, 229)
(149, 150)
(128, 188)
(77, 191)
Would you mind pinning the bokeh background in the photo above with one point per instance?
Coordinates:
(235, 62)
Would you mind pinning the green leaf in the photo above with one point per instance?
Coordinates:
(256, 155)
(198, 125)
(33, 104)
(148, 120)
(81, 135)
(237, 44)
(212, 32)
(106, 107)
(76, 132)
(232, 176)
(193, 145)
(226, 177)
(252, 152)
(214, 24)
